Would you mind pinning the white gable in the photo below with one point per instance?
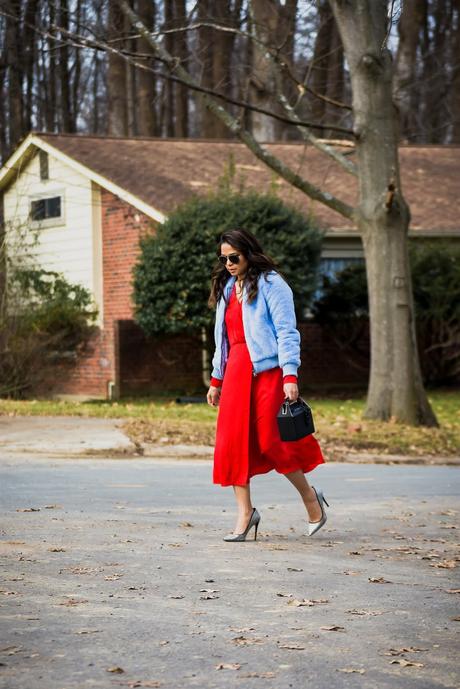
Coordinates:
(70, 244)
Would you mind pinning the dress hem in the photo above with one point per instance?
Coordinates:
(267, 471)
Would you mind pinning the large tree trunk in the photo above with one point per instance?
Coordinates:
(395, 385)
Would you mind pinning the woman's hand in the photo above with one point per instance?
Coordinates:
(213, 396)
(291, 391)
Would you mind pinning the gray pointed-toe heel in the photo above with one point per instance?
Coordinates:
(253, 522)
(313, 527)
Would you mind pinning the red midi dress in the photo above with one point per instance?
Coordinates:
(247, 436)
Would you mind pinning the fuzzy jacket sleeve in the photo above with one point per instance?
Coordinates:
(280, 304)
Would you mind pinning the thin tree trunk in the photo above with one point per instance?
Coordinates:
(206, 60)
(77, 71)
(64, 75)
(145, 81)
(455, 86)
(28, 51)
(409, 28)
(116, 76)
(170, 44)
(15, 103)
(395, 385)
(51, 77)
(181, 125)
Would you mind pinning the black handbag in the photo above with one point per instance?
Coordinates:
(295, 420)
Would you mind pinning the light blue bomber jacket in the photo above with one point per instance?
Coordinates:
(270, 327)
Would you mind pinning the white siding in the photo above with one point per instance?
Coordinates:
(69, 246)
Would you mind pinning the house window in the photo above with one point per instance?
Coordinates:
(331, 267)
(46, 211)
(44, 166)
(42, 209)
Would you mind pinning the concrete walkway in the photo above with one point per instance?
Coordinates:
(115, 574)
(74, 436)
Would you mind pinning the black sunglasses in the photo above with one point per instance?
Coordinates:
(233, 258)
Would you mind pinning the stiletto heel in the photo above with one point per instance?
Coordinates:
(313, 527)
(253, 522)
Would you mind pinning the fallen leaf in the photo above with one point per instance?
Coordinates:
(29, 509)
(209, 590)
(353, 552)
(113, 577)
(294, 569)
(143, 683)
(360, 671)
(56, 550)
(292, 647)
(452, 590)
(228, 666)
(284, 595)
(455, 619)
(186, 525)
(379, 580)
(405, 663)
(246, 641)
(264, 675)
(117, 670)
(307, 602)
(400, 651)
(71, 602)
(208, 596)
(87, 631)
(178, 597)
(333, 628)
(11, 650)
(354, 611)
(445, 564)
(53, 507)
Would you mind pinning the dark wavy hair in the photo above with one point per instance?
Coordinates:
(258, 263)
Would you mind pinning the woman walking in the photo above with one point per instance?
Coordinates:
(254, 370)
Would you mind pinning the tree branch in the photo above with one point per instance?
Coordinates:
(236, 127)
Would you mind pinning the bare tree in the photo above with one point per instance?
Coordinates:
(382, 215)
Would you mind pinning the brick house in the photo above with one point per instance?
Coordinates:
(91, 198)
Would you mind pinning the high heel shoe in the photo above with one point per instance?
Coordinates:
(253, 522)
(313, 527)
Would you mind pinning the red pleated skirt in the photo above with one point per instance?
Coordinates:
(247, 436)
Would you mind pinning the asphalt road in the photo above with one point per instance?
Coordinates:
(114, 574)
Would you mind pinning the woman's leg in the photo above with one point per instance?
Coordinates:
(243, 500)
(308, 495)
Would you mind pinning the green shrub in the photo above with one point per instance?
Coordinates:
(435, 268)
(44, 322)
(172, 276)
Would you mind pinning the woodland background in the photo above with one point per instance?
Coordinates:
(61, 68)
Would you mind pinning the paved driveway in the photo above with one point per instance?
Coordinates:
(114, 574)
